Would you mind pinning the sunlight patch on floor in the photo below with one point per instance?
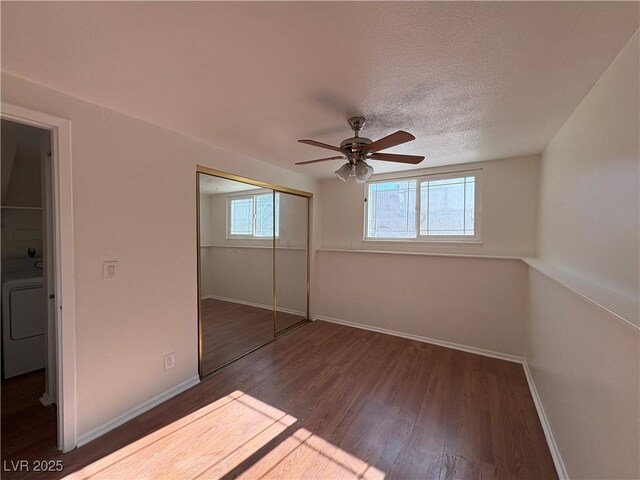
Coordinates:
(237, 436)
(305, 455)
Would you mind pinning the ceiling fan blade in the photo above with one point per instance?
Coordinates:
(389, 141)
(396, 157)
(320, 144)
(320, 160)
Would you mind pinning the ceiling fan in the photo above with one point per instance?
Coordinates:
(356, 150)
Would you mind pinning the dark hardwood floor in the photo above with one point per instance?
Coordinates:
(28, 427)
(329, 401)
(231, 329)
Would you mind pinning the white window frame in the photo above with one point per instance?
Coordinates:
(253, 236)
(419, 179)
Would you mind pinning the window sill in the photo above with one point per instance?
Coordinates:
(266, 247)
(421, 254)
(398, 241)
(238, 238)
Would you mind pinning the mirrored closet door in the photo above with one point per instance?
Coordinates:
(253, 261)
(291, 261)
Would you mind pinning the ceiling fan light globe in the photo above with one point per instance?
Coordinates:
(344, 172)
(363, 171)
(369, 172)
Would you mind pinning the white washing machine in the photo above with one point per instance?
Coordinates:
(24, 323)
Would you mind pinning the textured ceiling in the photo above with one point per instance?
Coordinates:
(472, 81)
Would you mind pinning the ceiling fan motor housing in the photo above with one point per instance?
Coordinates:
(354, 145)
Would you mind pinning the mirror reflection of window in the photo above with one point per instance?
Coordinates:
(241, 216)
(252, 215)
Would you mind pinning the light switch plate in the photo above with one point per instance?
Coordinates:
(110, 270)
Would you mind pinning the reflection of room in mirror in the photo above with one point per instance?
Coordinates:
(237, 266)
(291, 262)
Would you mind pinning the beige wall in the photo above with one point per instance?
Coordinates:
(584, 360)
(134, 201)
(509, 211)
(586, 366)
(589, 209)
(476, 302)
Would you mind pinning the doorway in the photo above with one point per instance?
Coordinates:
(58, 277)
(28, 334)
(253, 265)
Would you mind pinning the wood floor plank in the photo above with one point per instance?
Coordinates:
(422, 454)
(231, 329)
(463, 446)
(328, 401)
(27, 427)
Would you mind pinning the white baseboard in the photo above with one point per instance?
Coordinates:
(553, 448)
(258, 305)
(544, 421)
(135, 411)
(419, 338)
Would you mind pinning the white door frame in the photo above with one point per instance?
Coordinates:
(64, 267)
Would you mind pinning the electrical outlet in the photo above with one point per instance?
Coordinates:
(169, 361)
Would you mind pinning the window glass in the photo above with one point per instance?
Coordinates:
(264, 215)
(443, 213)
(252, 215)
(391, 209)
(241, 211)
(469, 206)
(445, 206)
